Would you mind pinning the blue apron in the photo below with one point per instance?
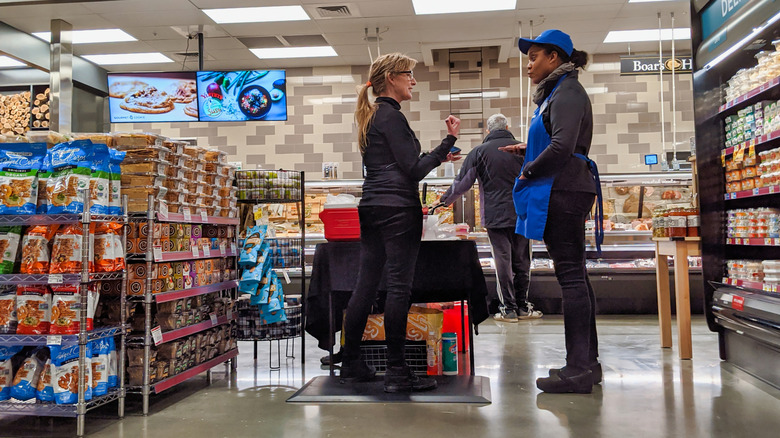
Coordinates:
(532, 196)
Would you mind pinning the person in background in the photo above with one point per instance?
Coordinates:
(390, 215)
(496, 171)
(554, 194)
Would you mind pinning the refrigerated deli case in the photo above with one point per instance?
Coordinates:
(736, 90)
(627, 261)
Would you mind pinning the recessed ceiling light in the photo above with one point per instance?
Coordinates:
(128, 58)
(258, 15)
(93, 36)
(294, 52)
(10, 62)
(426, 7)
(632, 36)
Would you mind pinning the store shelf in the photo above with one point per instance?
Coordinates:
(756, 285)
(761, 143)
(758, 191)
(32, 279)
(42, 340)
(50, 219)
(34, 407)
(756, 92)
(745, 241)
(173, 295)
(172, 381)
(192, 329)
(197, 219)
(183, 255)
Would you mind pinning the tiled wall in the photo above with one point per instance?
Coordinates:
(321, 101)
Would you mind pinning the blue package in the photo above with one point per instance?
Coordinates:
(27, 377)
(19, 167)
(266, 288)
(65, 363)
(45, 389)
(7, 370)
(99, 179)
(254, 240)
(43, 181)
(271, 316)
(113, 364)
(100, 366)
(115, 158)
(250, 279)
(71, 172)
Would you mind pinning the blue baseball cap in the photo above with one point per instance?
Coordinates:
(553, 36)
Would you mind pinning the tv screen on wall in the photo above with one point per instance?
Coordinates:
(237, 96)
(153, 97)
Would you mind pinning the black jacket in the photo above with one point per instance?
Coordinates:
(568, 119)
(496, 171)
(392, 158)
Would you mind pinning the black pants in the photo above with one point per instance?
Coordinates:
(513, 263)
(564, 236)
(389, 238)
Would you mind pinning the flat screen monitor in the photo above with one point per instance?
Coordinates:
(238, 96)
(651, 159)
(153, 97)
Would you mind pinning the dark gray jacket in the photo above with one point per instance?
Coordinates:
(569, 121)
(496, 172)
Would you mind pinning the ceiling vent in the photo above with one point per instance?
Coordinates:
(333, 11)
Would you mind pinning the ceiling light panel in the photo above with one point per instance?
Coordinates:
(92, 36)
(294, 52)
(128, 58)
(6, 62)
(632, 36)
(265, 14)
(427, 7)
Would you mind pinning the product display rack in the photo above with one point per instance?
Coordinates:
(153, 336)
(78, 410)
(255, 189)
(745, 314)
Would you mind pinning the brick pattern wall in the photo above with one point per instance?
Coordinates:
(321, 102)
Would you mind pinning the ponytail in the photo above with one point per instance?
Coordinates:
(380, 69)
(579, 58)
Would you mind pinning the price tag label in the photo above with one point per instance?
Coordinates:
(772, 189)
(55, 279)
(232, 247)
(187, 214)
(164, 209)
(222, 248)
(213, 317)
(195, 252)
(157, 252)
(207, 251)
(738, 303)
(739, 241)
(767, 241)
(157, 335)
(755, 192)
(734, 195)
(204, 216)
(54, 340)
(286, 277)
(230, 313)
(776, 242)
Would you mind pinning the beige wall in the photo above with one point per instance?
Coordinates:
(321, 103)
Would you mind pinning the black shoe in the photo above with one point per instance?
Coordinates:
(403, 379)
(560, 383)
(325, 360)
(595, 368)
(356, 371)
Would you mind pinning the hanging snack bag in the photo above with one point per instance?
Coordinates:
(43, 182)
(45, 391)
(113, 364)
(8, 309)
(104, 249)
(70, 174)
(7, 370)
(115, 197)
(276, 300)
(67, 249)
(9, 247)
(26, 378)
(271, 316)
(65, 374)
(35, 249)
(33, 304)
(19, 166)
(100, 365)
(250, 280)
(100, 179)
(66, 301)
(254, 239)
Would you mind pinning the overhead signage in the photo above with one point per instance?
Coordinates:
(717, 14)
(648, 65)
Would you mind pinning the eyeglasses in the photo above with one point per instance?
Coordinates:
(409, 72)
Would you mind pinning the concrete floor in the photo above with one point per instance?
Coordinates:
(647, 392)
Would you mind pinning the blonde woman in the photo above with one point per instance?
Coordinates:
(390, 217)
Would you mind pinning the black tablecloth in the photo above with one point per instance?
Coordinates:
(445, 271)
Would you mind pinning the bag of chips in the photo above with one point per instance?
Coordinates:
(43, 182)
(67, 249)
(9, 247)
(33, 304)
(36, 249)
(65, 362)
(7, 370)
(71, 172)
(26, 378)
(19, 166)
(100, 366)
(254, 239)
(45, 391)
(8, 309)
(100, 179)
(113, 364)
(115, 197)
(66, 300)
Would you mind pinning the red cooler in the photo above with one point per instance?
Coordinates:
(341, 224)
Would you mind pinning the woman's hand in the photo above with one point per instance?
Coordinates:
(453, 157)
(453, 125)
(515, 149)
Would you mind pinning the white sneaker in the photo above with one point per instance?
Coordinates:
(510, 316)
(529, 313)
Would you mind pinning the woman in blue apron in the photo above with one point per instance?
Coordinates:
(554, 195)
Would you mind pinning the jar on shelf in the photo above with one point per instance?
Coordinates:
(659, 222)
(678, 223)
(693, 219)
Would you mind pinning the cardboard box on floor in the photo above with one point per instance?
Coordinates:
(420, 323)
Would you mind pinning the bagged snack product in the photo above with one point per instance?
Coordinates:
(67, 248)
(27, 376)
(7, 309)
(33, 305)
(115, 198)
(7, 370)
(45, 391)
(271, 316)
(264, 291)
(35, 249)
(109, 256)
(100, 179)
(71, 172)
(100, 366)
(254, 239)
(65, 373)
(44, 174)
(66, 300)
(250, 280)
(113, 364)
(9, 246)
(19, 166)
